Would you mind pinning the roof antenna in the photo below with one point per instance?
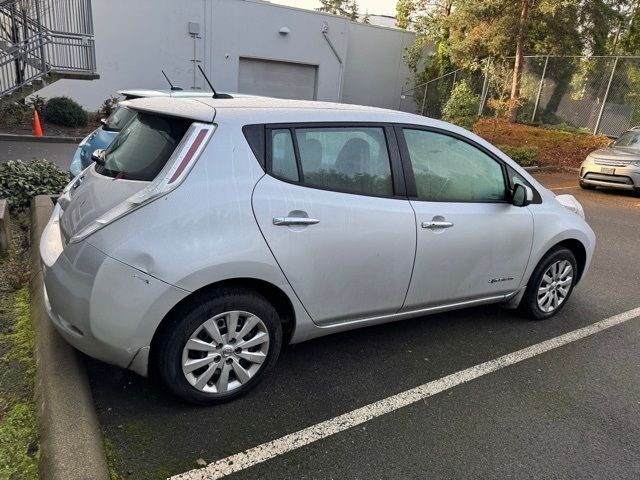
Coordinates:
(173, 87)
(215, 94)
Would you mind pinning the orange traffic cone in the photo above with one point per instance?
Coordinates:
(37, 129)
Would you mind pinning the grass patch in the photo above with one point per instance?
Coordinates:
(18, 443)
(114, 459)
(18, 429)
(556, 147)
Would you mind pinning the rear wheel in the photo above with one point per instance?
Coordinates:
(587, 186)
(550, 285)
(219, 346)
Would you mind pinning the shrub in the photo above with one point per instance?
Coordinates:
(563, 127)
(13, 114)
(524, 156)
(20, 181)
(107, 107)
(37, 103)
(462, 106)
(64, 111)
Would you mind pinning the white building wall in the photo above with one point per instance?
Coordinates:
(135, 39)
(375, 72)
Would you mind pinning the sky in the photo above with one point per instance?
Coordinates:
(378, 7)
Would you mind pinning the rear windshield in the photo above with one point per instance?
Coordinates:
(118, 119)
(143, 147)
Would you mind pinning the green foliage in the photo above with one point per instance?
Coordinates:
(462, 106)
(18, 460)
(21, 181)
(37, 103)
(563, 127)
(18, 428)
(66, 112)
(404, 10)
(524, 156)
(13, 114)
(344, 8)
(108, 107)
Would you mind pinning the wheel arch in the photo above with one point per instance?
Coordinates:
(579, 251)
(274, 294)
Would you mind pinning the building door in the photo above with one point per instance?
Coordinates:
(277, 79)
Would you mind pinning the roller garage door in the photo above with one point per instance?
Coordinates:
(277, 79)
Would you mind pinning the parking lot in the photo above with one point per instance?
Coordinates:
(569, 412)
(58, 153)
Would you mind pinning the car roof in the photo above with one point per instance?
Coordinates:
(206, 109)
(189, 93)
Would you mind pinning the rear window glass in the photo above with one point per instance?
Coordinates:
(118, 119)
(143, 147)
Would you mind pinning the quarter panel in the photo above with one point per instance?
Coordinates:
(205, 228)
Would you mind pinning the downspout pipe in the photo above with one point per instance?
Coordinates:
(325, 34)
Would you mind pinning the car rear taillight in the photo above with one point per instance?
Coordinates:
(169, 178)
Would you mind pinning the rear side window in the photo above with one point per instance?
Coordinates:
(283, 156)
(344, 159)
(143, 147)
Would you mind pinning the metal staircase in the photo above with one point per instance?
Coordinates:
(42, 41)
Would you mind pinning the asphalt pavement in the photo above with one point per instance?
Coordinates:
(58, 153)
(572, 412)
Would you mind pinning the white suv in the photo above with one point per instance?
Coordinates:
(212, 231)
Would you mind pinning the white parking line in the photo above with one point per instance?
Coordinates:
(563, 188)
(301, 438)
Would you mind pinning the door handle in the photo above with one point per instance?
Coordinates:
(295, 221)
(434, 225)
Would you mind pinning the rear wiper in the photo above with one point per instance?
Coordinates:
(98, 156)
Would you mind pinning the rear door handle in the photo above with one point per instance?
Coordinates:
(295, 221)
(433, 225)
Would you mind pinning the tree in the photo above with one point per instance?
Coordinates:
(466, 32)
(523, 23)
(404, 10)
(344, 8)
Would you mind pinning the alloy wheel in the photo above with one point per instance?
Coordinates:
(225, 352)
(555, 286)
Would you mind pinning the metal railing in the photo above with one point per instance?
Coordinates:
(38, 37)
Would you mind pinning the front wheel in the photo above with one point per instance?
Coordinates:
(550, 285)
(219, 346)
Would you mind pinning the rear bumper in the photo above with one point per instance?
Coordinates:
(623, 178)
(100, 305)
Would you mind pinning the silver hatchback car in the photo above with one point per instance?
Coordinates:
(213, 231)
(617, 166)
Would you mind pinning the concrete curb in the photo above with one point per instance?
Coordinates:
(10, 137)
(71, 445)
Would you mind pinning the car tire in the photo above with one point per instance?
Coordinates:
(551, 274)
(587, 186)
(198, 335)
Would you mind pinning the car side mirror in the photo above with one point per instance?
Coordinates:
(98, 156)
(103, 122)
(522, 195)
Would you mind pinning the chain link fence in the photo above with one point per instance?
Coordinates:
(598, 94)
